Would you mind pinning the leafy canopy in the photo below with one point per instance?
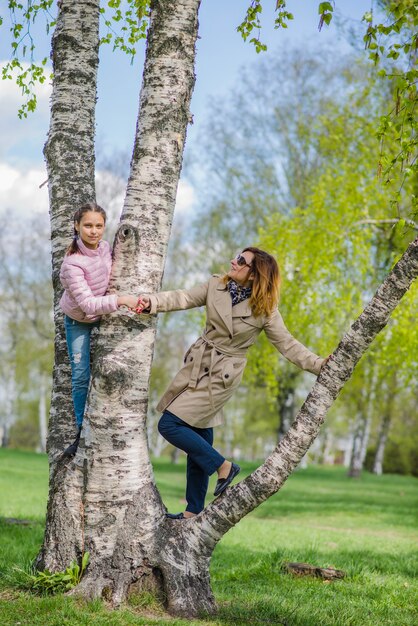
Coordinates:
(125, 24)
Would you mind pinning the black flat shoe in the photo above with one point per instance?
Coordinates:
(223, 483)
(175, 516)
(72, 449)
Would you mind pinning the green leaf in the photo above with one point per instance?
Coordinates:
(325, 7)
(85, 561)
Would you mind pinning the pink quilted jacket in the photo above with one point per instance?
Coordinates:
(85, 278)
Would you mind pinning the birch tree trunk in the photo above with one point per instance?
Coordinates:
(286, 412)
(384, 428)
(286, 403)
(125, 524)
(381, 445)
(69, 154)
(362, 429)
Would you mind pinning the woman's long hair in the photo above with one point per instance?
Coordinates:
(85, 208)
(266, 283)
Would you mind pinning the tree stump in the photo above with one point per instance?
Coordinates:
(16, 521)
(305, 569)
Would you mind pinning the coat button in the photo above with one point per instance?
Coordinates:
(206, 369)
(226, 375)
(191, 358)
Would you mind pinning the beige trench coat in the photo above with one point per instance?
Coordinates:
(214, 364)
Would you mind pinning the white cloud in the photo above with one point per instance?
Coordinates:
(22, 194)
(20, 190)
(186, 198)
(23, 139)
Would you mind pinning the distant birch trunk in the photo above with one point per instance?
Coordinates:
(69, 155)
(384, 427)
(286, 402)
(362, 429)
(381, 445)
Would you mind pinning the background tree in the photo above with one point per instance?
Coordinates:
(306, 181)
(26, 351)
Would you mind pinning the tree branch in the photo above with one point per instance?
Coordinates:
(393, 221)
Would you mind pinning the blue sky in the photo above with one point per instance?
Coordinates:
(220, 55)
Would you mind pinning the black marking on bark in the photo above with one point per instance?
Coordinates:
(118, 444)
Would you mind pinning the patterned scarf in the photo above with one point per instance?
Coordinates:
(238, 293)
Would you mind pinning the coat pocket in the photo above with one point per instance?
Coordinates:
(228, 374)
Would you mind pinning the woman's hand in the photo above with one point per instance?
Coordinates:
(327, 358)
(129, 301)
(143, 304)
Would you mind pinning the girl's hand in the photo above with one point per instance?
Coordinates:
(129, 301)
(142, 304)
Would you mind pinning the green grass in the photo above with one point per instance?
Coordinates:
(367, 527)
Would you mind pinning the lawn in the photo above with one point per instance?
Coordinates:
(366, 527)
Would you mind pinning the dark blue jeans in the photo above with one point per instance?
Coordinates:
(78, 342)
(202, 459)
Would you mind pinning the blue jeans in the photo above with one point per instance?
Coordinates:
(78, 342)
(202, 459)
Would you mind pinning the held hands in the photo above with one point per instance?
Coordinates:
(142, 305)
(128, 301)
(134, 303)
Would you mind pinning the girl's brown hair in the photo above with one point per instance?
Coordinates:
(266, 283)
(85, 208)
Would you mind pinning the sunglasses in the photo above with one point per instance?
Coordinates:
(241, 261)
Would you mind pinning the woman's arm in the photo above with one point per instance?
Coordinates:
(177, 300)
(290, 347)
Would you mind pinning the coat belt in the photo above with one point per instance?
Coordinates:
(201, 345)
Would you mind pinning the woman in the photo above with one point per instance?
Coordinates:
(238, 306)
(84, 275)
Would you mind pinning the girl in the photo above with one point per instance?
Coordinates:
(84, 275)
(238, 307)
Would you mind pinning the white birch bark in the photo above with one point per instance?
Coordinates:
(362, 429)
(366, 438)
(384, 427)
(69, 154)
(381, 445)
(286, 401)
(354, 471)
